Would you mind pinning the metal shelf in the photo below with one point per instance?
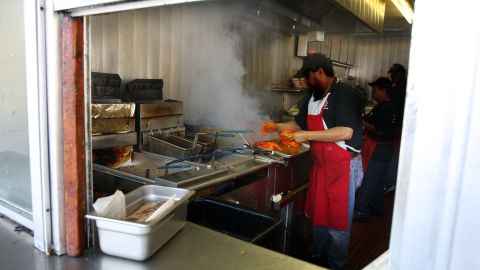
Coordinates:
(289, 90)
(338, 64)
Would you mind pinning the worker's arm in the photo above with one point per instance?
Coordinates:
(330, 135)
(291, 125)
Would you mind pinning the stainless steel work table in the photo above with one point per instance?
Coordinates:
(196, 247)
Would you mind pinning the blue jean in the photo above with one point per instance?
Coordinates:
(391, 177)
(333, 244)
(370, 195)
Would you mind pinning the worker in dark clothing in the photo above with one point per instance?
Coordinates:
(398, 74)
(331, 121)
(377, 151)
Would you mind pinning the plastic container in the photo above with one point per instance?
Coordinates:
(232, 219)
(138, 241)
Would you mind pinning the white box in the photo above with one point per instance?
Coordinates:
(316, 36)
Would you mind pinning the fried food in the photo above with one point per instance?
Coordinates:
(286, 138)
(112, 157)
(291, 144)
(268, 127)
(273, 146)
(286, 135)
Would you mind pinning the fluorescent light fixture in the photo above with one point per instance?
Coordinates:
(404, 7)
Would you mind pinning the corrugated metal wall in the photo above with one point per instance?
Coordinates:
(375, 55)
(165, 42)
(162, 43)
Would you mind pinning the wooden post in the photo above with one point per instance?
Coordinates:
(73, 134)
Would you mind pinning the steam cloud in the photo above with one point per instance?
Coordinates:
(217, 97)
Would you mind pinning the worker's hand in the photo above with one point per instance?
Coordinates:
(268, 127)
(301, 136)
(286, 135)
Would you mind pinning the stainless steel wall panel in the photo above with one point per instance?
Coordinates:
(126, 64)
(375, 55)
(110, 50)
(140, 40)
(352, 49)
(159, 43)
(344, 43)
(153, 45)
(335, 48)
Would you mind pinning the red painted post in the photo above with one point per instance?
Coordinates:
(73, 134)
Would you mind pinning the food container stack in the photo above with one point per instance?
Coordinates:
(113, 121)
(158, 115)
(300, 83)
(113, 133)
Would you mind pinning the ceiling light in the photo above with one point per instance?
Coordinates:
(404, 7)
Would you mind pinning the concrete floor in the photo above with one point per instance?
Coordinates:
(17, 252)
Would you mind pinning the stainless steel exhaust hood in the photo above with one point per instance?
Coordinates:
(370, 12)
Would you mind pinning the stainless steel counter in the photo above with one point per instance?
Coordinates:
(233, 173)
(196, 247)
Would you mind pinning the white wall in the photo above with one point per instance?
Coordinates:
(436, 214)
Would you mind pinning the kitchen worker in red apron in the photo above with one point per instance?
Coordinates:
(331, 121)
(377, 151)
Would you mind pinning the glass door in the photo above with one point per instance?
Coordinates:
(15, 184)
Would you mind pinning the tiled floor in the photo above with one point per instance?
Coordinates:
(369, 240)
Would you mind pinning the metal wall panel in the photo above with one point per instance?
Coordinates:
(375, 55)
(160, 42)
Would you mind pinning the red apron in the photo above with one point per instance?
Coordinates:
(327, 197)
(369, 146)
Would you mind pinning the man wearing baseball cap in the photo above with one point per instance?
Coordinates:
(330, 119)
(376, 152)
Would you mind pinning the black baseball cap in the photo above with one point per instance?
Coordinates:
(381, 82)
(397, 68)
(313, 62)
